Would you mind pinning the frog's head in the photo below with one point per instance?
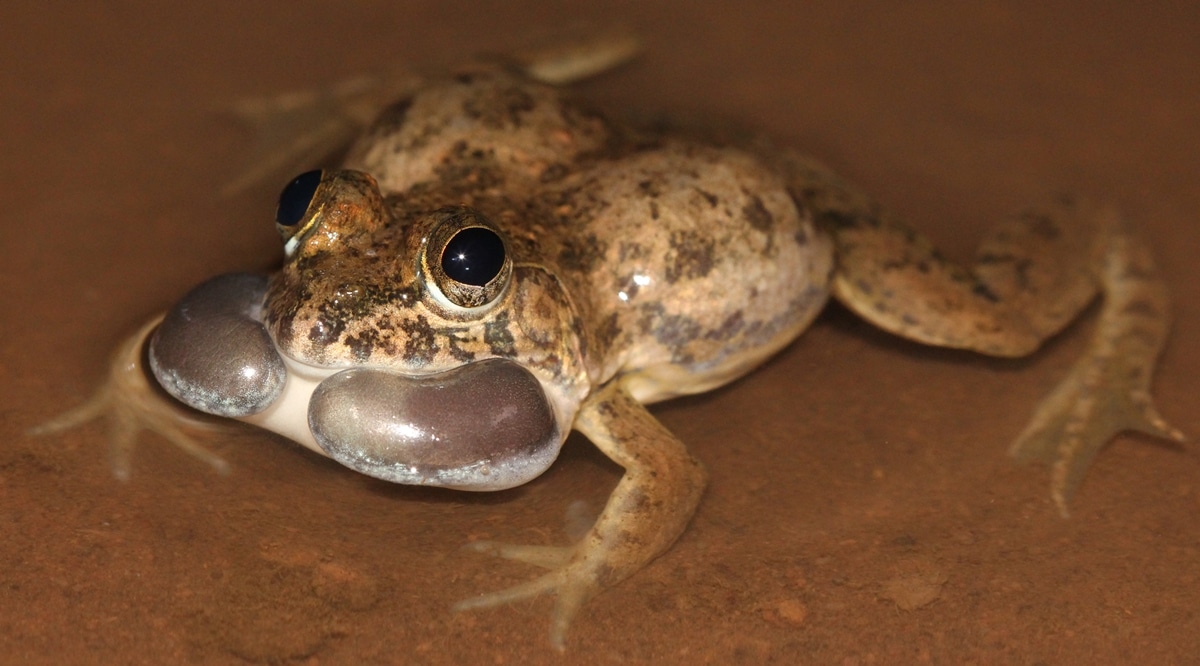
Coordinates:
(417, 348)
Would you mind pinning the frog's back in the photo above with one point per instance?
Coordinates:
(692, 264)
(688, 264)
(489, 128)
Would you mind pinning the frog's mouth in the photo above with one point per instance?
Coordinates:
(486, 425)
(482, 426)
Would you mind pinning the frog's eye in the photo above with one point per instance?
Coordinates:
(334, 203)
(467, 258)
(474, 256)
(295, 198)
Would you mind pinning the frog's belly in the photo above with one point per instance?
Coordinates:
(714, 356)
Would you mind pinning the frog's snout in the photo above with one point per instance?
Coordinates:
(482, 426)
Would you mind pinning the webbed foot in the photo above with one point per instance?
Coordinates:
(132, 405)
(645, 514)
(1108, 390)
(1081, 416)
(574, 578)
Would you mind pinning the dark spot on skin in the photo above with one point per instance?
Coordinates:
(836, 220)
(348, 302)
(363, 344)
(554, 172)
(582, 254)
(1043, 226)
(608, 410)
(711, 198)
(757, 215)
(498, 338)
(980, 289)
(393, 117)
(453, 345)
(1020, 265)
(671, 330)
(499, 108)
(640, 501)
(1141, 308)
(729, 328)
(651, 188)
(467, 170)
(606, 333)
(420, 345)
(605, 576)
(577, 332)
(325, 331)
(801, 237)
(654, 212)
(630, 288)
(691, 255)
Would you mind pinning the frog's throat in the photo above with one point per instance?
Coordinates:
(291, 415)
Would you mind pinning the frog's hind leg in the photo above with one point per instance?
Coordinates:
(1108, 389)
(1032, 276)
(571, 59)
(131, 404)
(299, 130)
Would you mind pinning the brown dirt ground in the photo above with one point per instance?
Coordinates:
(862, 509)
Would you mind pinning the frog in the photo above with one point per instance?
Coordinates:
(495, 264)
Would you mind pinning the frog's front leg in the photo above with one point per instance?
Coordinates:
(1032, 276)
(131, 404)
(645, 514)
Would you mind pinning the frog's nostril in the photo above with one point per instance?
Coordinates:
(482, 426)
(295, 197)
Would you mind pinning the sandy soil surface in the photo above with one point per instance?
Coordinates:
(862, 509)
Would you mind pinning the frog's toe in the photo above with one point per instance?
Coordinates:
(572, 579)
(529, 590)
(164, 420)
(1077, 420)
(546, 557)
(94, 408)
(576, 57)
(131, 405)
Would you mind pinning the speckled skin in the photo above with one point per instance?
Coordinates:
(646, 265)
(673, 264)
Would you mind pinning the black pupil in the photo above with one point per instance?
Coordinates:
(294, 199)
(473, 256)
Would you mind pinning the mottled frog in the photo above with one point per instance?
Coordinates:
(495, 265)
